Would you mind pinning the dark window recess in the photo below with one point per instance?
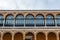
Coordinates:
(50, 20)
(29, 21)
(19, 21)
(9, 21)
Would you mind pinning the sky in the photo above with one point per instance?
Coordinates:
(29, 4)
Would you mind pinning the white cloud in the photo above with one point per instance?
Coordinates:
(29, 4)
(25, 4)
(7, 4)
(53, 4)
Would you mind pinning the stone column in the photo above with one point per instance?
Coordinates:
(23, 35)
(57, 36)
(45, 20)
(35, 23)
(1, 35)
(46, 36)
(55, 20)
(35, 36)
(12, 35)
(24, 22)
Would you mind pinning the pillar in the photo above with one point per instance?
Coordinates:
(35, 35)
(1, 35)
(12, 35)
(24, 36)
(57, 36)
(46, 36)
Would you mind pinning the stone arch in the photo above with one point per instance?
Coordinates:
(8, 15)
(40, 36)
(2, 15)
(40, 14)
(50, 14)
(7, 36)
(18, 15)
(30, 34)
(57, 14)
(29, 14)
(18, 36)
(52, 36)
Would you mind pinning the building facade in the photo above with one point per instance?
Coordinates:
(30, 25)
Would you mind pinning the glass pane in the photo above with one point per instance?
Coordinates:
(29, 20)
(1, 20)
(39, 20)
(19, 20)
(58, 20)
(50, 21)
(9, 21)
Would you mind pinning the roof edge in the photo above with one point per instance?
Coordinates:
(29, 10)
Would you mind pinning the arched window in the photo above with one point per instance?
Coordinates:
(1, 20)
(40, 20)
(40, 36)
(9, 21)
(19, 20)
(7, 36)
(18, 36)
(58, 20)
(31, 35)
(50, 20)
(52, 36)
(29, 20)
